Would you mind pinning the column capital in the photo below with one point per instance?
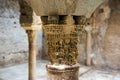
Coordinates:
(88, 28)
(31, 26)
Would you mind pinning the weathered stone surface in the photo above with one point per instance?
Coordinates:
(26, 11)
(112, 39)
(101, 17)
(65, 7)
(63, 72)
(13, 39)
(106, 37)
(20, 72)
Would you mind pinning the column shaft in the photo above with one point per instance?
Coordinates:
(32, 53)
(89, 48)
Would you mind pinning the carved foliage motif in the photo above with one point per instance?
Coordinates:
(62, 40)
(62, 47)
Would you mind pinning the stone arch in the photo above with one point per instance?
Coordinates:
(112, 38)
(101, 26)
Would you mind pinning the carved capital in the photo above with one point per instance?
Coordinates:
(32, 35)
(88, 29)
(31, 31)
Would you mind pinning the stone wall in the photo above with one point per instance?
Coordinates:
(100, 25)
(112, 37)
(106, 36)
(13, 39)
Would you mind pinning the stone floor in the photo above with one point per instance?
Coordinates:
(20, 72)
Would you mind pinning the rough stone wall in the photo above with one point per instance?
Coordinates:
(106, 46)
(100, 25)
(112, 37)
(13, 39)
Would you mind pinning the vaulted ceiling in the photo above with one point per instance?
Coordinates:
(65, 7)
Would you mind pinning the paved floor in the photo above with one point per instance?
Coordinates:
(20, 72)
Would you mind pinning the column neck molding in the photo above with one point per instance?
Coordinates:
(32, 27)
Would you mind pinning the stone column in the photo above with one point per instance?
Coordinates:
(89, 44)
(61, 39)
(32, 35)
(32, 54)
(31, 23)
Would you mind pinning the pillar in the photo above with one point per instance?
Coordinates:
(61, 39)
(32, 35)
(89, 44)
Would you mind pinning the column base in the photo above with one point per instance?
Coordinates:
(63, 72)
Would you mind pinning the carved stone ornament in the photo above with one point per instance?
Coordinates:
(62, 40)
